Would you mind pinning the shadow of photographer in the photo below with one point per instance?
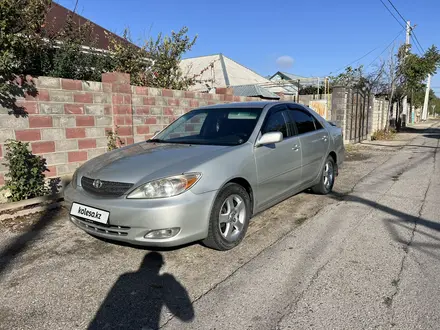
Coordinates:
(136, 299)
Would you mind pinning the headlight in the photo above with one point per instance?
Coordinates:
(166, 187)
(74, 179)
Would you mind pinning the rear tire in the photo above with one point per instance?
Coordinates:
(327, 180)
(229, 218)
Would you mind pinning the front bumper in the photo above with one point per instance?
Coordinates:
(131, 219)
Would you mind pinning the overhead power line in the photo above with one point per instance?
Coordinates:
(403, 26)
(397, 11)
(389, 45)
(418, 43)
(360, 58)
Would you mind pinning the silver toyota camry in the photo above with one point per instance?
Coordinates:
(204, 176)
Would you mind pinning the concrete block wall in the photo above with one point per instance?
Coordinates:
(379, 114)
(305, 99)
(344, 101)
(68, 120)
(339, 105)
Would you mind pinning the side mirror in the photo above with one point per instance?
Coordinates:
(270, 138)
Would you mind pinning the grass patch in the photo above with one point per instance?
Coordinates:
(383, 134)
(349, 148)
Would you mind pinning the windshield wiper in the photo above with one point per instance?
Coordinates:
(154, 140)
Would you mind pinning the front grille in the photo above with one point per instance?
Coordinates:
(101, 228)
(108, 188)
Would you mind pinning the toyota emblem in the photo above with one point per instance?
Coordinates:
(97, 184)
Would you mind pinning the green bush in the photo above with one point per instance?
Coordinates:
(113, 140)
(25, 177)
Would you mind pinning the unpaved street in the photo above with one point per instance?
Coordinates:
(366, 256)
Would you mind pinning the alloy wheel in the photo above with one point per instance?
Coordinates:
(232, 217)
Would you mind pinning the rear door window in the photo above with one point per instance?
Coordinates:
(276, 122)
(304, 121)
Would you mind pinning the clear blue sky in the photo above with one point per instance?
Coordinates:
(320, 35)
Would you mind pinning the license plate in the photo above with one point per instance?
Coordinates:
(89, 213)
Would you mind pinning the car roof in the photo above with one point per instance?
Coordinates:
(256, 104)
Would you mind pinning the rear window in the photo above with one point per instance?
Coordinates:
(242, 115)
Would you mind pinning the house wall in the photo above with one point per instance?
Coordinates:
(67, 121)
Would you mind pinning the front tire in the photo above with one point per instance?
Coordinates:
(229, 218)
(327, 180)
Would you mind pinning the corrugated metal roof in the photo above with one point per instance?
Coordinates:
(293, 76)
(254, 90)
(305, 81)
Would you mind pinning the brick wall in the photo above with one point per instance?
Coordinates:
(67, 120)
(65, 123)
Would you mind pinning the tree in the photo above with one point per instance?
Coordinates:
(21, 23)
(72, 53)
(402, 74)
(371, 82)
(434, 101)
(310, 90)
(388, 83)
(412, 71)
(349, 78)
(166, 54)
(29, 46)
(128, 58)
(21, 41)
(156, 64)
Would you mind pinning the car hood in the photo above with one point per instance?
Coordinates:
(143, 160)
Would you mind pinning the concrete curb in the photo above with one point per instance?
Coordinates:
(35, 208)
(27, 207)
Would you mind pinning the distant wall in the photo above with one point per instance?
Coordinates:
(67, 121)
(306, 99)
(359, 114)
(379, 114)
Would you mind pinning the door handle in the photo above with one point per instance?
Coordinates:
(295, 147)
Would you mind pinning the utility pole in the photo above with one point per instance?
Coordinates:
(317, 92)
(425, 104)
(327, 92)
(405, 113)
(433, 110)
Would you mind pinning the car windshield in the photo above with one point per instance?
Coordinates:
(220, 126)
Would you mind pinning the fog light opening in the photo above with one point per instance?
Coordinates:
(162, 233)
